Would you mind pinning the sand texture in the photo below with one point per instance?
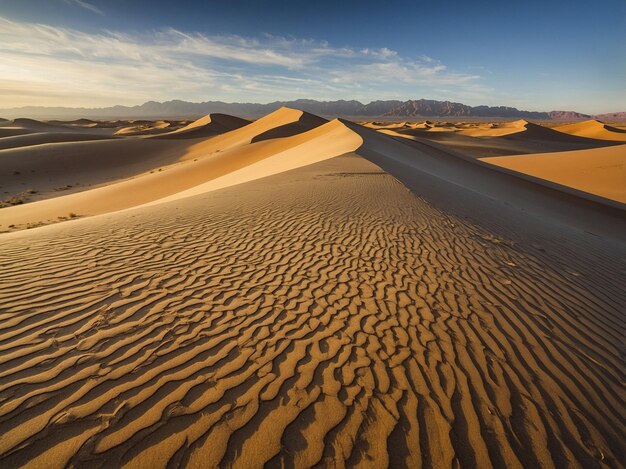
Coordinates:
(315, 294)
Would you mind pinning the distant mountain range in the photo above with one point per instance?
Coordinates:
(376, 109)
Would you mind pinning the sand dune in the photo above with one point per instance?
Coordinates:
(522, 129)
(117, 124)
(326, 141)
(11, 131)
(207, 126)
(201, 168)
(144, 128)
(32, 124)
(593, 129)
(230, 158)
(23, 126)
(320, 316)
(422, 125)
(77, 122)
(41, 138)
(398, 126)
(500, 129)
(34, 173)
(599, 171)
(387, 125)
(481, 140)
(282, 123)
(75, 166)
(424, 165)
(287, 302)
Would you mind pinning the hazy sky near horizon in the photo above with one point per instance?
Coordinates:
(535, 55)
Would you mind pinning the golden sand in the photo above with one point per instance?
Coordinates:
(296, 292)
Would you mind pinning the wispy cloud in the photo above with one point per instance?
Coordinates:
(86, 6)
(42, 64)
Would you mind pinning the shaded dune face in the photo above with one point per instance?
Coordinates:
(24, 132)
(12, 131)
(303, 123)
(81, 164)
(207, 126)
(430, 168)
(302, 293)
(41, 138)
(35, 125)
(284, 122)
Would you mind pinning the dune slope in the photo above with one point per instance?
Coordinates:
(593, 129)
(498, 139)
(11, 131)
(599, 171)
(501, 129)
(207, 126)
(39, 126)
(157, 127)
(434, 170)
(282, 154)
(79, 165)
(284, 122)
(202, 167)
(41, 138)
(324, 315)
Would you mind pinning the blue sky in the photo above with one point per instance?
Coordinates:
(536, 55)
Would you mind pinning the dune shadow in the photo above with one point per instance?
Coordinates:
(305, 123)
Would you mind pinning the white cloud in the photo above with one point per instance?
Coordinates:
(42, 64)
(85, 5)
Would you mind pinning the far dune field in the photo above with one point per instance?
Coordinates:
(295, 291)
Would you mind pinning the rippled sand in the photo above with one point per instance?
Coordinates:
(321, 316)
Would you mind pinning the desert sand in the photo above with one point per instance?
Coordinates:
(297, 292)
(207, 126)
(594, 129)
(600, 171)
(484, 139)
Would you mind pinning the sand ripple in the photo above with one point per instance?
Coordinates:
(326, 316)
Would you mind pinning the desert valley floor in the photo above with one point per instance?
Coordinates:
(296, 292)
